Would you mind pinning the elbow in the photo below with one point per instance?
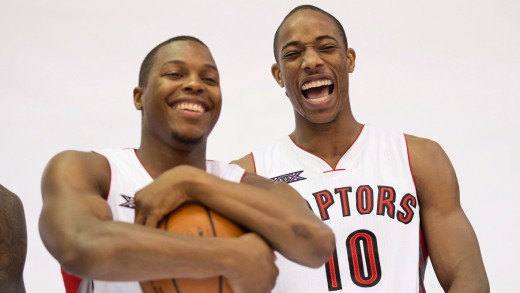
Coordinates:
(325, 244)
(79, 259)
(72, 262)
(321, 244)
(483, 285)
(85, 255)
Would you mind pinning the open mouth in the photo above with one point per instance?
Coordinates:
(191, 107)
(317, 90)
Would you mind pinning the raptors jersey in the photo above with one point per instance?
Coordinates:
(127, 177)
(370, 202)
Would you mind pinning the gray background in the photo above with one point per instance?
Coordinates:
(446, 70)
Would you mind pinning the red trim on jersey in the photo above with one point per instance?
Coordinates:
(139, 160)
(110, 181)
(409, 163)
(331, 168)
(254, 164)
(243, 175)
(71, 282)
(105, 196)
(332, 269)
(334, 170)
(424, 247)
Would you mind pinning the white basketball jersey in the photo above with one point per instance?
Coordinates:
(127, 177)
(370, 202)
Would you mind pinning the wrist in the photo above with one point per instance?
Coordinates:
(193, 181)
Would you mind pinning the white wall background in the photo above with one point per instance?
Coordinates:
(448, 70)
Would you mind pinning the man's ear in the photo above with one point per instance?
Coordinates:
(277, 74)
(351, 56)
(138, 95)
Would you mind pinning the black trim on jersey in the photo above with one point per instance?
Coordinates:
(324, 200)
(289, 177)
(343, 195)
(363, 256)
(407, 202)
(386, 201)
(365, 199)
(332, 263)
(129, 202)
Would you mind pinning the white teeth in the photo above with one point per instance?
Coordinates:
(316, 83)
(189, 107)
(318, 100)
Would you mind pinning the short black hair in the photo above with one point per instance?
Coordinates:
(150, 57)
(314, 8)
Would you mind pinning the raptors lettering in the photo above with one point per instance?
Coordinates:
(381, 202)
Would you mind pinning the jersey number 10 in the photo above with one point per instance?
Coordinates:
(363, 261)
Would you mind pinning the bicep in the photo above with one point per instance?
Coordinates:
(73, 185)
(13, 236)
(451, 241)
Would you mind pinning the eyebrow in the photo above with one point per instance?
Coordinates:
(180, 62)
(319, 38)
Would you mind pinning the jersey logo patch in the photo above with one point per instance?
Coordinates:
(129, 202)
(289, 177)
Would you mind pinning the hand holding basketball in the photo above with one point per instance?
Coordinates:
(255, 270)
(165, 194)
(251, 271)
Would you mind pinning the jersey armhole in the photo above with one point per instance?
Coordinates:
(105, 196)
(409, 162)
(71, 282)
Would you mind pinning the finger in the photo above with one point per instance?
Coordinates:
(152, 220)
(140, 218)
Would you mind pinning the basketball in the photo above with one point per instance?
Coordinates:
(194, 220)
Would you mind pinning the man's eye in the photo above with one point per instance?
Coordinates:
(327, 48)
(174, 74)
(291, 54)
(210, 80)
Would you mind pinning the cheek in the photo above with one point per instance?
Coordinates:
(217, 96)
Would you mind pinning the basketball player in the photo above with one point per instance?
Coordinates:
(13, 242)
(89, 205)
(391, 199)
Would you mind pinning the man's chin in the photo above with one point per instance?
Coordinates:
(185, 139)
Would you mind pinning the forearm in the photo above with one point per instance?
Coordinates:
(455, 253)
(473, 285)
(128, 252)
(278, 213)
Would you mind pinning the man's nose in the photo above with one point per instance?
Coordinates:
(193, 83)
(311, 59)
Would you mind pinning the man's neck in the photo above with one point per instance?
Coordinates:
(327, 141)
(159, 158)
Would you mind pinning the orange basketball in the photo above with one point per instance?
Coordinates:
(195, 220)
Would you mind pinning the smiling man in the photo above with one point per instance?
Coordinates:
(392, 199)
(92, 199)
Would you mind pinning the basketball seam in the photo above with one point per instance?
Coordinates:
(214, 235)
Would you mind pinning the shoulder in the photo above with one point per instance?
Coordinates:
(77, 168)
(430, 165)
(78, 159)
(424, 151)
(246, 162)
(262, 155)
(8, 196)
(12, 207)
